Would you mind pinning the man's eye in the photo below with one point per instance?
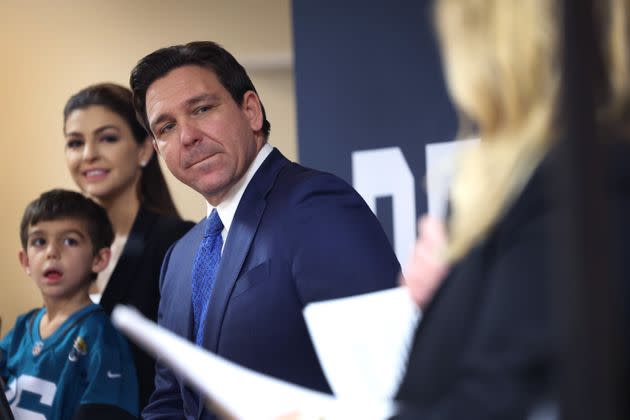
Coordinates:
(166, 128)
(74, 143)
(202, 109)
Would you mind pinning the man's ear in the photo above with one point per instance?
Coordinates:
(252, 109)
(146, 151)
(101, 259)
(23, 256)
(155, 146)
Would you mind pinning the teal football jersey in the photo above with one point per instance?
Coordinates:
(85, 361)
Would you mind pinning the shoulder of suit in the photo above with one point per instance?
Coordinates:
(296, 181)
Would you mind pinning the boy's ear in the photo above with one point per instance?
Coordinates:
(23, 256)
(101, 259)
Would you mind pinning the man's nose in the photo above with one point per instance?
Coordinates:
(189, 133)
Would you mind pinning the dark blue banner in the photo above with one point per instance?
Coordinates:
(370, 96)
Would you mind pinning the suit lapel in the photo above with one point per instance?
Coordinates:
(129, 262)
(239, 240)
(182, 291)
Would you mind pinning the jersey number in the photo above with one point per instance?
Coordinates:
(45, 389)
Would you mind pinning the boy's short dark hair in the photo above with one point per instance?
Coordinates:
(207, 54)
(61, 204)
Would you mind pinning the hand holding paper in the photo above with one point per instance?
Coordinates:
(427, 266)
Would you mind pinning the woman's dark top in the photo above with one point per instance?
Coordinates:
(484, 348)
(135, 280)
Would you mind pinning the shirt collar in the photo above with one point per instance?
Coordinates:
(227, 208)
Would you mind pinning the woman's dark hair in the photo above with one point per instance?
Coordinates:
(153, 191)
(206, 54)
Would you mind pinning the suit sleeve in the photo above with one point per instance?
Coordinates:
(498, 376)
(340, 248)
(166, 401)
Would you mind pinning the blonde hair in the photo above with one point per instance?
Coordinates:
(616, 107)
(502, 62)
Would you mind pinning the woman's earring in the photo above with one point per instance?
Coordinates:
(143, 164)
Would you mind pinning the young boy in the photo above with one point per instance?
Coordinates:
(66, 360)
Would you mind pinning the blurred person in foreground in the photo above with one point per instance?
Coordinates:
(484, 349)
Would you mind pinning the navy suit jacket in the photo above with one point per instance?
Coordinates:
(298, 236)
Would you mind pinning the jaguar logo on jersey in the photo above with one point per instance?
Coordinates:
(79, 348)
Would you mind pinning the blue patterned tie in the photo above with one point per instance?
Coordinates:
(204, 271)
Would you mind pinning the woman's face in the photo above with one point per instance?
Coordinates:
(103, 158)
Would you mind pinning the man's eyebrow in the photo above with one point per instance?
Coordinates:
(157, 121)
(201, 98)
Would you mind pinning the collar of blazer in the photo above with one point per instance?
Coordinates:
(130, 260)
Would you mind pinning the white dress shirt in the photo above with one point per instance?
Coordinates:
(227, 208)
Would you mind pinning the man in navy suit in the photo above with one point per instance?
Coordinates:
(289, 235)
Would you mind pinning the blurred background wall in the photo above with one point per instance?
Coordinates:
(50, 50)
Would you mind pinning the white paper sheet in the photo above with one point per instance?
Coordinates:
(237, 391)
(363, 341)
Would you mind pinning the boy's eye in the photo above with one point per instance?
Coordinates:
(70, 242)
(74, 143)
(38, 242)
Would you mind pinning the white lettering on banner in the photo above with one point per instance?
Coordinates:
(381, 173)
(384, 172)
(45, 389)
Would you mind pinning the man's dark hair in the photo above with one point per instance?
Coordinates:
(63, 204)
(207, 54)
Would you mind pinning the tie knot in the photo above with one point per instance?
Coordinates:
(214, 226)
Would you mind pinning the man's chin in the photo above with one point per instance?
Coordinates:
(214, 192)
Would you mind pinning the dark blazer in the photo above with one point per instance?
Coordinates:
(298, 236)
(483, 349)
(135, 280)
